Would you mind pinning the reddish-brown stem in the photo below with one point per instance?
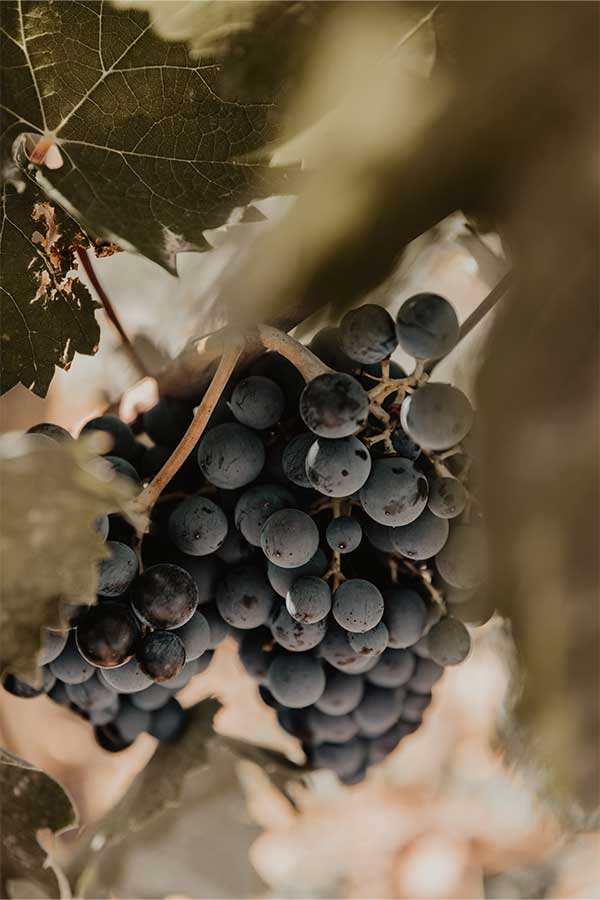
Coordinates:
(148, 497)
(110, 312)
(304, 359)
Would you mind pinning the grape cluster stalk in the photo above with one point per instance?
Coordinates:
(317, 508)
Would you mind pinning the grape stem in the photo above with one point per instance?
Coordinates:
(143, 504)
(109, 309)
(309, 365)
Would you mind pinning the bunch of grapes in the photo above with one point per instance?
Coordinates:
(329, 527)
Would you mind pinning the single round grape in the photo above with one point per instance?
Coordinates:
(195, 635)
(168, 723)
(370, 643)
(326, 345)
(333, 729)
(336, 650)
(427, 326)
(205, 571)
(183, 677)
(282, 579)
(460, 562)
(122, 436)
(167, 421)
(334, 405)
(116, 573)
(356, 777)
(357, 605)
(296, 679)
(308, 599)
(161, 655)
(131, 721)
(53, 644)
(110, 739)
(126, 679)
(447, 497)
(230, 455)
(296, 636)
(393, 669)
(368, 334)
(414, 706)
(152, 697)
(197, 526)
(284, 373)
(426, 674)
(49, 429)
(338, 468)
(422, 538)
(293, 459)
(255, 506)
(289, 538)
(380, 536)
(235, 549)
(405, 617)
(245, 597)
(106, 635)
(342, 693)
(378, 710)
(165, 596)
(257, 402)
(70, 666)
(256, 653)
(404, 445)
(343, 534)
(219, 629)
(395, 492)
(436, 416)
(105, 714)
(91, 694)
(449, 642)
(343, 759)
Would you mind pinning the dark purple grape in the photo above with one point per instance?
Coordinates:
(106, 635)
(165, 596)
(161, 655)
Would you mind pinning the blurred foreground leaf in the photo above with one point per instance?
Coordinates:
(47, 315)
(30, 801)
(48, 544)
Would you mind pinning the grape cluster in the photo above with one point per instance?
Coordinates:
(328, 527)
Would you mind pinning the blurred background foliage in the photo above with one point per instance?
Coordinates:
(441, 146)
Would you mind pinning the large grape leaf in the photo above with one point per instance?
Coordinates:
(154, 145)
(48, 544)
(47, 315)
(30, 801)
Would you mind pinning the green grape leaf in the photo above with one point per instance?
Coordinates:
(149, 146)
(30, 801)
(161, 784)
(49, 547)
(47, 314)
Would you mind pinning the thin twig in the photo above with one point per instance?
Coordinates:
(130, 350)
(148, 497)
(309, 365)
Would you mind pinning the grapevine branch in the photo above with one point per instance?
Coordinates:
(309, 365)
(231, 354)
(130, 350)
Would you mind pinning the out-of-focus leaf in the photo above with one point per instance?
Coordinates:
(48, 544)
(153, 148)
(47, 314)
(280, 770)
(200, 848)
(30, 801)
(162, 783)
